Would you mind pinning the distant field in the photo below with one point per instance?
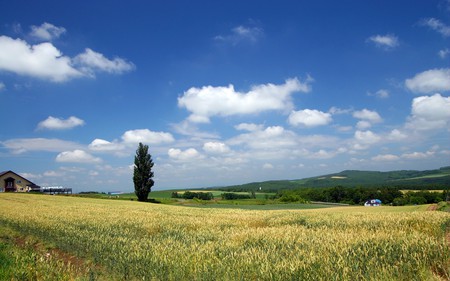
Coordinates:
(68, 238)
(167, 194)
(429, 176)
(244, 206)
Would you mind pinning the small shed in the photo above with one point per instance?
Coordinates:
(373, 203)
(12, 182)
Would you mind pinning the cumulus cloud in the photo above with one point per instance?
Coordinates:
(309, 118)
(363, 139)
(429, 113)
(91, 61)
(396, 135)
(368, 115)
(388, 41)
(184, 155)
(216, 148)
(43, 61)
(248, 127)
(437, 25)
(385, 157)
(418, 155)
(146, 136)
(53, 123)
(2, 86)
(76, 156)
(46, 31)
(240, 34)
(363, 125)
(211, 101)
(103, 145)
(433, 80)
(267, 166)
(274, 137)
(38, 144)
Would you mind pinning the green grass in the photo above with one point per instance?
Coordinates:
(167, 195)
(242, 205)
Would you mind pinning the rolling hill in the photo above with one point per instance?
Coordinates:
(407, 179)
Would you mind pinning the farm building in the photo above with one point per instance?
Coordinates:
(12, 182)
(373, 203)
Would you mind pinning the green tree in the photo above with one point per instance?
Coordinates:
(142, 176)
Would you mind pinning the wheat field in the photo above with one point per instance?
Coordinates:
(93, 239)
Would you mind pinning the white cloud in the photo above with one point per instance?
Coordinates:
(437, 25)
(309, 118)
(42, 61)
(76, 156)
(336, 110)
(53, 174)
(382, 94)
(45, 61)
(269, 139)
(418, 155)
(444, 53)
(52, 123)
(91, 61)
(429, 113)
(38, 144)
(147, 137)
(267, 166)
(103, 145)
(363, 139)
(211, 101)
(396, 135)
(46, 31)
(216, 148)
(322, 154)
(433, 80)
(385, 157)
(184, 155)
(368, 115)
(388, 41)
(242, 33)
(190, 129)
(363, 125)
(2, 86)
(249, 127)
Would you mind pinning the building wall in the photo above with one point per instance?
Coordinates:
(20, 183)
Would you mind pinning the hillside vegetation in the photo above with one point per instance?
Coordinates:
(405, 179)
(68, 238)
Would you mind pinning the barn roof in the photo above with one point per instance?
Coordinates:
(5, 172)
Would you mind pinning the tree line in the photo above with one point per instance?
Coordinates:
(359, 195)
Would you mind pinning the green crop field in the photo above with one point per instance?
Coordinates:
(70, 238)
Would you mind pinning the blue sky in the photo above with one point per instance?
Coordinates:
(223, 92)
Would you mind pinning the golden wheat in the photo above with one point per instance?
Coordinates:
(161, 242)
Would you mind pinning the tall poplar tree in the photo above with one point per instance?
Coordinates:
(142, 176)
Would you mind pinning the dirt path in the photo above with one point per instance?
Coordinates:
(432, 207)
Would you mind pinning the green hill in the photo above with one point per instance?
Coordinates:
(407, 179)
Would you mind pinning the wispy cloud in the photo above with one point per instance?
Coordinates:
(387, 42)
(437, 26)
(241, 34)
(46, 31)
(443, 54)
